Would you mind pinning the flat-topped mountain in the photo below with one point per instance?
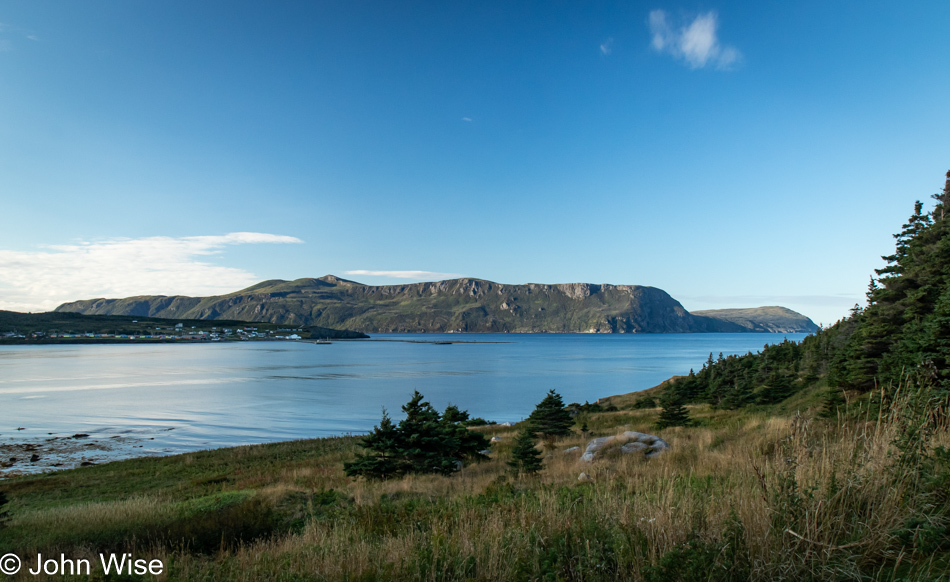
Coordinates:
(770, 318)
(462, 305)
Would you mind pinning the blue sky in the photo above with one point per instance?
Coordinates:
(731, 153)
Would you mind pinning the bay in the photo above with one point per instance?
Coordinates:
(185, 397)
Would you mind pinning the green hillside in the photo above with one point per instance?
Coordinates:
(773, 319)
(457, 305)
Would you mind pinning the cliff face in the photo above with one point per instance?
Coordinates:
(464, 305)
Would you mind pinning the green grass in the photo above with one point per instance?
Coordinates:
(757, 494)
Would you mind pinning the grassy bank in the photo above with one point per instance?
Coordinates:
(756, 494)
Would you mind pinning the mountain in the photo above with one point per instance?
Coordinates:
(771, 319)
(462, 305)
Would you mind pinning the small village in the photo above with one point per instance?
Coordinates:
(179, 332)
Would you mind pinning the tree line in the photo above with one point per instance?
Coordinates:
(903, 330)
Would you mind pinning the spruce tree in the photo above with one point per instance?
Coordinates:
(423, 442)
(674, 412)
(525, 457)
(550, 419)
(834, 401)
(386, 442)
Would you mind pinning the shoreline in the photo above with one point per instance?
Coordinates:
(39, 455)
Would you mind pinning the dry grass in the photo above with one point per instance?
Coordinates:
(747, 497)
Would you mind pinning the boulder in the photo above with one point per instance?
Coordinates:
(633, 442)
(595, 445)
(571, 450)
(583, 477)
(653, 446)
(496, 439)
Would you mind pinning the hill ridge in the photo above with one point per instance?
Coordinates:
(464, 304)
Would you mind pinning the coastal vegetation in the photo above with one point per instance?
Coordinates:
(901, 336)
(823, 460)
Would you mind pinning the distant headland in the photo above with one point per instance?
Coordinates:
(455, 305)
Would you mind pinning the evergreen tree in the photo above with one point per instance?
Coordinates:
(674, 412)
(386, 442)
(550, 419)
(525, 457)
(423, 442)
(834, 401)
(453, 414)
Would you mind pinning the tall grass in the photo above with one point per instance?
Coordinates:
(745, 497)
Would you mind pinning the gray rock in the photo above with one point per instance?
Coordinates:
(571, 450)
(584, 477)
(654, 445)
(633, 447)
(595, 445)
(633, 442)
(495, 439)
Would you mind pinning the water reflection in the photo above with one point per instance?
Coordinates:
(194, 396)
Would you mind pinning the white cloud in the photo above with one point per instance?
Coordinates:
(158, 265)
(466, 119)
(607, 46)
(424, 275)
(696, 42)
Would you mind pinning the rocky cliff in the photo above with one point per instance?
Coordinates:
(455, 305)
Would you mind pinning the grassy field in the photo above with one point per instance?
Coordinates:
(759, 494)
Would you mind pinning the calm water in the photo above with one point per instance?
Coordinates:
(192, 396)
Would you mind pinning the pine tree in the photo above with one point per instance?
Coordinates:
(453, 414)
(423, 442)
(834, 400)
(550, 419)
(525, 457)
(674, 413)
(386, 442)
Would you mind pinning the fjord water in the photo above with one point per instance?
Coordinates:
(198, 396)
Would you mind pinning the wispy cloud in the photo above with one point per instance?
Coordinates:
(607, 46)
(158, 265)
(423, 275)
(695, 42)
(6, 45)
(467, 119)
